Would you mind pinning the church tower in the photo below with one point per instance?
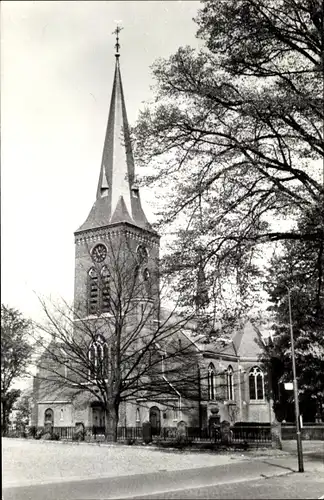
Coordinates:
(116, 237)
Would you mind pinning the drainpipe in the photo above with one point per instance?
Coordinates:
(239, 389)
(199, 399)
(171, 385)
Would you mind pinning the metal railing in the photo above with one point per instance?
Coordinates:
(237, 434)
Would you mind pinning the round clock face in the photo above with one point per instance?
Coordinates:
(99, 253)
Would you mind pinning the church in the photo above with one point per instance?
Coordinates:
(229, 379)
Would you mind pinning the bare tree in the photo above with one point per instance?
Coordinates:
(117, 344)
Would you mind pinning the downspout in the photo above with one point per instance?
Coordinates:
(239, 372)
(171, 385)
(199, 398)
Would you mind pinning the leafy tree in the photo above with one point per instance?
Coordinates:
(235, 138)
(23, 407)
(299, 266)
(16, 351)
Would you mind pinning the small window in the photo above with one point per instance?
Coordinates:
(175, 413)
(230, 384)
(138, 418)
(211, 382)
(62, 414)
(49, 417)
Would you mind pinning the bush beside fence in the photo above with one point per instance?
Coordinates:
(309, 432)
(241, 433)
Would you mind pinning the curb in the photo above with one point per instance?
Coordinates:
(236, 454)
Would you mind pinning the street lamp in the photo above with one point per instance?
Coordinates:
(298, 429)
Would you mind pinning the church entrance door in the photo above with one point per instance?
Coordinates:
(98, 419)
(155, 420)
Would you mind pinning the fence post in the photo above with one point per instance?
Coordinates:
(276, 434)
(225, 432)
(147, 432)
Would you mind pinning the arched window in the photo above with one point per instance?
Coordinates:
(93, 291)
(98, 358)
(105, 360)
(256, 383)
(147, 280)
(230, 384)
(105, 290)
(211, 382)
(142, 254)
(49, 417)
(146, 274)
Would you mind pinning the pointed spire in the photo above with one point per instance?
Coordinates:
(117, 173)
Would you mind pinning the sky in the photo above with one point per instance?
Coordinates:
(57, 64)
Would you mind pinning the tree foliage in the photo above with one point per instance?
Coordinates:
(299, 265)
(235, 138)
(16, 351)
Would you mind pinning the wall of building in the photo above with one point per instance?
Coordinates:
(63, 413)
(122, 242)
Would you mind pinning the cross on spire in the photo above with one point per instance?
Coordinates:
(117, 44)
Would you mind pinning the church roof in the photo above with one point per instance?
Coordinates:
(118, 198)
(247, 341)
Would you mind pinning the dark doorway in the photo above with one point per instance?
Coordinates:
(155, 420)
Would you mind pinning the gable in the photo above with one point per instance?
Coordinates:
(247, 341)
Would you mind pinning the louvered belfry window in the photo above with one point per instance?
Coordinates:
(98, 291)
(105, 292)
(93, 292)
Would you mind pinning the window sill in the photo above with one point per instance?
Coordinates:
(230, 402)
(257, 402)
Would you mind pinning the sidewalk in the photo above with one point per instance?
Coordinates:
(148, 483)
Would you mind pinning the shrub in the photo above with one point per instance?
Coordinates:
(39, 433)
(47, 435)
(55, 436)
(31, 431)
(79, 435)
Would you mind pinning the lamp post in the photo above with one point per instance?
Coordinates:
(298, 429)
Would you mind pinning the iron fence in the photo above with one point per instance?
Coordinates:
(250, 434)
(237, 434)
(124, 433)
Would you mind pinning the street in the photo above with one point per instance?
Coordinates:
(293, 485)
(57, 471)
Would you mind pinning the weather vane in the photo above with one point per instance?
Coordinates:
(117, 44)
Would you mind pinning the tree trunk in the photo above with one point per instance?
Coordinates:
(111, 422)
(4, 419)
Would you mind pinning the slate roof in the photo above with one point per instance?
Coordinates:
(118, 198)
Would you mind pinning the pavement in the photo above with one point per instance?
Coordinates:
(47, 471)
